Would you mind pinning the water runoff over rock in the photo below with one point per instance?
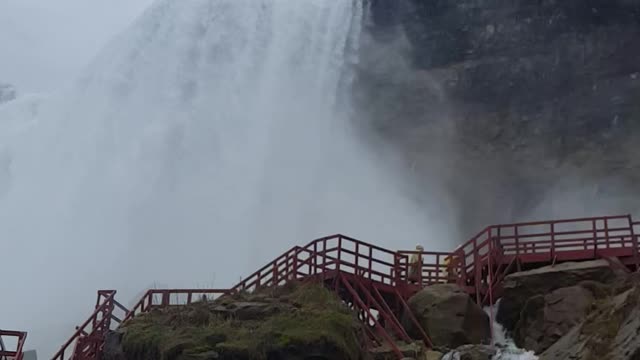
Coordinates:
(505, 347)
(203, 141)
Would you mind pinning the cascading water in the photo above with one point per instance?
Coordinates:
(202, 142)
(505, 347)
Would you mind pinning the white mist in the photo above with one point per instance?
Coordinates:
(201, 143)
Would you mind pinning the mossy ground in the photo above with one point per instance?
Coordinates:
(302, 318)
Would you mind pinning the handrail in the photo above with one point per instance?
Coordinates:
(20, 338)
(94, 327)
(335, 256)
(146, 302)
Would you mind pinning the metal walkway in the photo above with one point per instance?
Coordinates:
(375, 281)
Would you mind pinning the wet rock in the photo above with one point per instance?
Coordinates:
(471, 352)
(511, 96)
(520, 287)
(546, 318)
(610, 332)
(449, 316)
(113, 346)
(433, 355)
(410, 351)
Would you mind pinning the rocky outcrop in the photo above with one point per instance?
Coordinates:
(546, 318)
(292, 323)
(449, 316)
(610, 332)
(520, 287)
(7, 93)
(471, 352)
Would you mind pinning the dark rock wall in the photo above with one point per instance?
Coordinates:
(500, 101)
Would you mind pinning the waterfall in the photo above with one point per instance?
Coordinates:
(203, 141)
(505, 347)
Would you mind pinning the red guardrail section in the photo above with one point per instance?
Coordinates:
(325, 256)
(88, 339)
(479, 265)
(545, 242)
(173, 297)
(12, 344)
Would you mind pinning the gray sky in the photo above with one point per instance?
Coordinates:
(43, 43)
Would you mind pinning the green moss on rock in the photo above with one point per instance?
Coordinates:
(296, 321)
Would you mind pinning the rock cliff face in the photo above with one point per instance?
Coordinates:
(499, 100)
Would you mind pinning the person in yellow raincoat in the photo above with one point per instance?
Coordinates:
(415, 264)
(450, 270)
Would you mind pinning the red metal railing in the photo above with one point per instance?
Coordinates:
(326, 256)
(173, 297)
(544, 242)
(479, 266)
(12, 344)
(88, 340)
(433, 268)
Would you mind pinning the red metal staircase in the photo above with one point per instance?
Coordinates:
(374, 281)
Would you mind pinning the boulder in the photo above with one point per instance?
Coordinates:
(113, 346)
(546, 318)
(449, 316)
(609, 332)
(521, 286)
(409, 351)
(433, 355)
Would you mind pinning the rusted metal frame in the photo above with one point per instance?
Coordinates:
(371, 337)
(490, 278)
(427, 267)
(473, 241)
(105, 309)
(501, 277)
(354, 268)
(634, 243)
(562, 243)
(383, 333)
(362, 243)
(385, 312)
(606, 234)
(385, 307)
(146, 301)
(560, 233)
(407, 310)
(369, 257)
(477, 263)
(251, 279)
(18, 353)
(566, 221)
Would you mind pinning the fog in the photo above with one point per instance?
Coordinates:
(46, 43)
(201, 142)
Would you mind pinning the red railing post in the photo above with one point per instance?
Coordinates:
(553, 242)
(606, 233)
(371, 263)
(478, 269)
(595, 236)
(634, 242)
